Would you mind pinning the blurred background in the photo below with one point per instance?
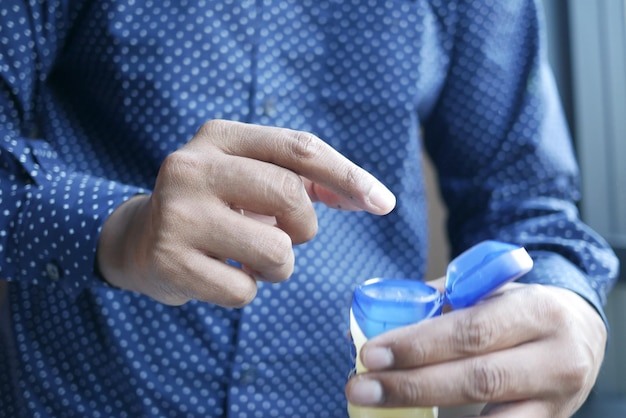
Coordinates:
(586, 42)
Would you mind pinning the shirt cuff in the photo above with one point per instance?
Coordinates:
(60, 225)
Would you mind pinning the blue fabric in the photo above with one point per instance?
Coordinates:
(95, 94)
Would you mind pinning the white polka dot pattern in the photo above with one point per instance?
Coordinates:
(95, 94)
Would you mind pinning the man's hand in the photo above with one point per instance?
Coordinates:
(528, 351)
(173, 245)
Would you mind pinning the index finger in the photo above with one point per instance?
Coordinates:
(503, 321)
(305, 154)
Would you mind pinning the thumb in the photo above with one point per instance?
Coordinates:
(318, 193)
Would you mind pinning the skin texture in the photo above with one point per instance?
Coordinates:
(233, 192)
(244, 192)
(528, 351)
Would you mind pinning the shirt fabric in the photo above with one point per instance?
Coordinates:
(95, 93)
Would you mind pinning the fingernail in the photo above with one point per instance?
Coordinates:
(382, 198)
(366, 392)
(377, 358)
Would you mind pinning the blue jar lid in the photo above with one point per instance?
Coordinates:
(482, 269)
(381, 305)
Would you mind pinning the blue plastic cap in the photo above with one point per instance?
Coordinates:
(482, 269)
(381, 305)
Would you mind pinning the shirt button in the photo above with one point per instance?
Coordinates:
(53, 271)
(269, 108)
(248, 376)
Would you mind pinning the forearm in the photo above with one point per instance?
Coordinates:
(510, 172)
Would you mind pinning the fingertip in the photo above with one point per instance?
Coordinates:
(364, 391)
(380, 199)
(377, 358)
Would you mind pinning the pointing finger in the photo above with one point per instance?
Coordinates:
(306, 155)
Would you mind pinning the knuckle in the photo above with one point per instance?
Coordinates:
(297, 207)
(547, 309)
(273, 256)
(212, 127)
(219, 134)
(580, 370)
(243, 296)
(352, 178)
(278, 251)
(303, 145)
(309, 232)
(404, 391)
(164, 286)
(476, 333)
(180, 164)
(292, 190)
(185, 169)
(417, 352)
(486, 382)
(352, 175)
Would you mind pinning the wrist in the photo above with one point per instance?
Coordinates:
(119, 245)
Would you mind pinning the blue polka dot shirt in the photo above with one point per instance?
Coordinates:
(94, 95)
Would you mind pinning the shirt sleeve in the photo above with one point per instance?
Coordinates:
(506, 165)
(50, 216)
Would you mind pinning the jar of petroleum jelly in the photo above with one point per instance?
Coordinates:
(380, 305)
